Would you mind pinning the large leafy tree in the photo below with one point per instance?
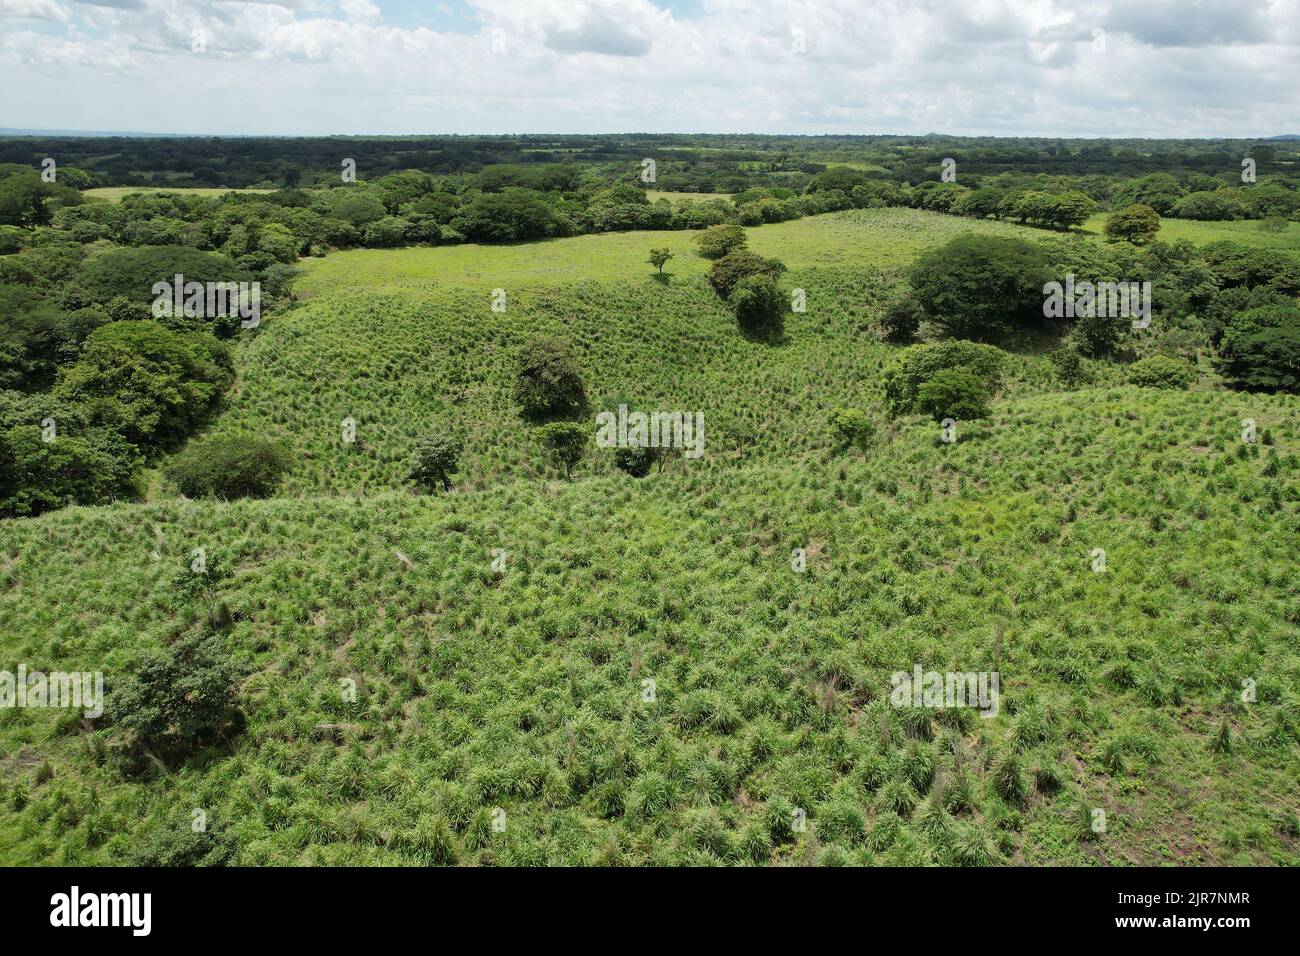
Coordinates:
(149, 384)
(1260, 349)
(981, 287)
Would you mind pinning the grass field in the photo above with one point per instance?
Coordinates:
(524, 691)
(115, 193)
(1246, 232)
(866, 238)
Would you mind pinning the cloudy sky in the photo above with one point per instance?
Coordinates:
(1002, 67)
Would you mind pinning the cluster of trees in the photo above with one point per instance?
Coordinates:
(94, 380)
(1233, 302)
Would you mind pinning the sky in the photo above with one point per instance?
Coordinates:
(1117, 68)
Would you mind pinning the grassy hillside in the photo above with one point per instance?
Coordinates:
(523, 691)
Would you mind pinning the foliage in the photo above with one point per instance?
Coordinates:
(727, 271)
(851, 428)
(1136, 224)
(1160, 371)
(436, 459)
(180, 699)
(718, 241)
(916, 365)
(228, 467)
(565, 442)
(759, 305)
(953, 393)
(979, 287)
(1260, 349)
(548, 381)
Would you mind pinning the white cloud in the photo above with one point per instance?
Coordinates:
(32, 10)
(983, 66)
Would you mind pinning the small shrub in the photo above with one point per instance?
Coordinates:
(851, 428)
(1160, 371)
(566, 442)
(239, 466)
(181, 698)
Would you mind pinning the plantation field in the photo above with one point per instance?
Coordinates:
(883, 238)
(524, 690)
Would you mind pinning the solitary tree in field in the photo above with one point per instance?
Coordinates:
(549, 382)
(658, 257)
(1136, 223)
(436, 457)
(566, 442)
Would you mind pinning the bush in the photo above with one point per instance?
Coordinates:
(239, 466)
(1160, 371)
(759, 304)
(981, 287)
(731, 268)
(636, 462)
(901, 320)
(549, 382)
(436, 457)
(953, 393)
(1069, 367)
(718, 241)
(181, 698)
(566, 442)
(851, 428)
(918, 364)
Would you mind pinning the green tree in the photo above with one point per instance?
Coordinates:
(1136, 224)
(731, 268)
(436, 459)
(181, 698)
(981, 287)
(851, 428)
(917, 364)
(759, 305)
(1160, 371)
(565, 442)
(238, 466)
(1260, 349)
(149, 384)
(718, 241)
(549, 382)
(658, 258)
(953, 393)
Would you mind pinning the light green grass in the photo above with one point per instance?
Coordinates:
(115, 193)
(864, 238)
(1246, 232)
